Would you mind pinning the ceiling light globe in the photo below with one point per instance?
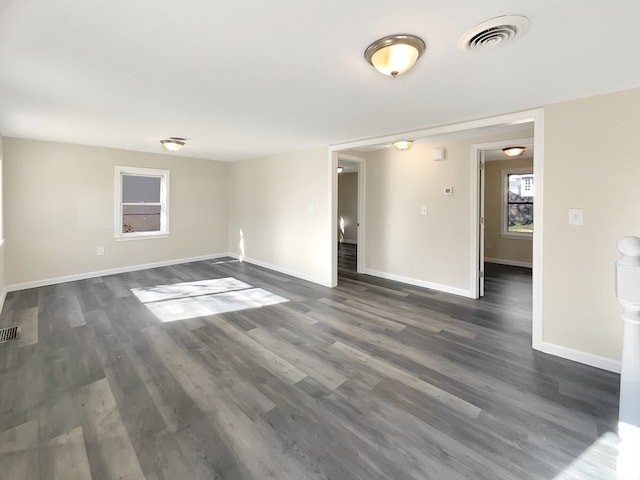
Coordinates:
(173, 144)
(403, 144)
(513, 151)
(395, 59)
(395, 54)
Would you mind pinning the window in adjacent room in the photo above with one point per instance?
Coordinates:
(518, 190)
(142, 202)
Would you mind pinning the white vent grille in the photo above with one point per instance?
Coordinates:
(11, 333)
(494, 33)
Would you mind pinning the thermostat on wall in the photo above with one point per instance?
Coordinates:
(448, 190)
(439, 153)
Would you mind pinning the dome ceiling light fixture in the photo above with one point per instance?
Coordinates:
(395, 54)
(513, 151)
(403, 144)
(173, 144)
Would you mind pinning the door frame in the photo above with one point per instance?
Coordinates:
(479, 165)
(360, 162)
(537, 119)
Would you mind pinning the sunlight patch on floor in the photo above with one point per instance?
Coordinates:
(596, 462)
(181, 301)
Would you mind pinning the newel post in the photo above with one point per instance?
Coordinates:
(628, 293)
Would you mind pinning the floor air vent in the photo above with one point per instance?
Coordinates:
(11, 333)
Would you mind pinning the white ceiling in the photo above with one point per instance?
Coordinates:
(242, 79)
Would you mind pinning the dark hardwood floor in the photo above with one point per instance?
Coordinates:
(224, 370)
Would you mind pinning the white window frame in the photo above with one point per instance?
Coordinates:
(505, 202)
(164, 202)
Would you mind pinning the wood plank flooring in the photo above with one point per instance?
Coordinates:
(370, 380)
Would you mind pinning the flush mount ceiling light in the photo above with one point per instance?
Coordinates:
(494, 33)
(513, 151)
(173, 144)
(403, 144)
(395, 54)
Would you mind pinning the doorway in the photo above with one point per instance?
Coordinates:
(505, 216)
(350, 215)
(487, 126)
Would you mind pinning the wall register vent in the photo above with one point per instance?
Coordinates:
(11, 333)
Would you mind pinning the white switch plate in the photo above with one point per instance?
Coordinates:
(575, 216)
(99, 251)
(423, 210)
(312, 208)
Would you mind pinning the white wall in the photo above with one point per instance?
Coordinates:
(280, 206)
(592, 161)
(348, 207)
(498, 248)
(433, 249)
(61, 207)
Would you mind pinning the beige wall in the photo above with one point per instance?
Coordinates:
(348, 207)
(434, 248)
(499, 248)
(270, 203)
(592, 161)
(61, 207)
(3, 284)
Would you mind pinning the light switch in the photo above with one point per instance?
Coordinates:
(575, 216)
(312, 208)
(423, 210)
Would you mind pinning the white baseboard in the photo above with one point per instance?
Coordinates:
(513, 263)
(597, 361)
(100, 273)
(284, 270)
(421, 283)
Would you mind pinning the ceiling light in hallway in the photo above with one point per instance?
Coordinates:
(403, 144)
(173, 144)
(513, 151)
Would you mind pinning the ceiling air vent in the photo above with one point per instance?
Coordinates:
(494, 33)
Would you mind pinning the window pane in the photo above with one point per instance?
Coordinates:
(520, 187)
(140, 218)
(140, 189)
(520, 218)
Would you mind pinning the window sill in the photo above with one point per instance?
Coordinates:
(517, 236)
(141, 236)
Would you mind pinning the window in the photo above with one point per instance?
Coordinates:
(518, 190)
(142, 202)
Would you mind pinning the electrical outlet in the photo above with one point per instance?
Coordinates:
(99, 251)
